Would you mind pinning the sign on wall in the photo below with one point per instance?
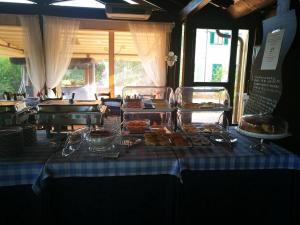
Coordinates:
(266, 78)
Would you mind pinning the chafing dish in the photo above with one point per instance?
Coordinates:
(13, 113)
(12, 106)
(64, 106)
(58, 113)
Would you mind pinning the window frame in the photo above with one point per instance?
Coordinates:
(229, 66)
(190, 46)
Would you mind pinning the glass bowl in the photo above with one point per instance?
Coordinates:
(100, 139)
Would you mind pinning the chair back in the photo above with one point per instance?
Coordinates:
(104, 95)
(113, 105)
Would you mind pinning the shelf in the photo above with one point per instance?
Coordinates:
(141, 110)
(205, 110)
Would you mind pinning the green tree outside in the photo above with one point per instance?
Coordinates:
(217, 72)
(128, 73)
(74, 77)
(10, 76)
(100, 68)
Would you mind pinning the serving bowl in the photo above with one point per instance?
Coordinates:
(101, 138)
(137, 126)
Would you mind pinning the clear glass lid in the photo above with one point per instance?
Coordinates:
(202, 97)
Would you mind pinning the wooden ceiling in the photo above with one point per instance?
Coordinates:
(11, 41)
(90, 43)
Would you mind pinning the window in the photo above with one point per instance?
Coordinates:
(74, 77)
(110, 47)
(76, 80)
(129, 73)
(217, 40)
(217, 72)
(128, 68)
(88, 70)
(182, 49)
(10, 76)
(212, 55)
(213, 62)
(102, 76)
(13, 75)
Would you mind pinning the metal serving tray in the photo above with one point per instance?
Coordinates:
(12, 106)
(9, 119)
(75, 118)
(63, 106)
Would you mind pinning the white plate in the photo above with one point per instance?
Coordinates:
(262, 136)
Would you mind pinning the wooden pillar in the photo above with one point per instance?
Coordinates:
(86, 76)
(111, 64)
(93, 78)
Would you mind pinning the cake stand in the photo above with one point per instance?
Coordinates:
(261, 146)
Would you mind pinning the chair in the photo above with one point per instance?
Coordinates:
(102, 95)
(113, 105)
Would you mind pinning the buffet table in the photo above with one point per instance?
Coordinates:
(239, 186)
(19, 204)
(151, 185)
(131, 162)
(151, 160)
(24, 168)
(240, 157)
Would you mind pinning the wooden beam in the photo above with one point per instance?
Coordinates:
(4, 49)
(11, 46)
(172, 7)
(176, 2)
(243, 7)
(11, 28)
(149, 4)
(192, 8)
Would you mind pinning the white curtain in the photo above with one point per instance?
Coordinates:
(59, 39)
(33, 50)
(152, 43)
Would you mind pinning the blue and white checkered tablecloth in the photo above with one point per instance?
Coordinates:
(37, 163)
(136, 161)
(241, 157)
(24, 168)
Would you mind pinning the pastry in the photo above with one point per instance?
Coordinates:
(200, 140)
(134, 103)
(203, 105)
(190, 129)
(155, 139)
(263, 124)
(178, 140)
(160, 103)
(210, 128)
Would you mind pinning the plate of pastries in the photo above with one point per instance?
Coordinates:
(194, 129)
(202, 105)
(134, 103)
(190, 129)
(137, 126)
(200, 140)
(165, 139)
(264, 126)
